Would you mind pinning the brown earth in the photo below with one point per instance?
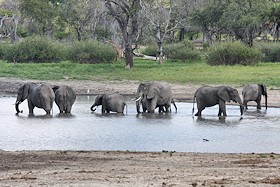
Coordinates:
(114, 168)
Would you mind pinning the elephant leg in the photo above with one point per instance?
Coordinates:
(258, 104)
(245, 104)
(199, 108)
(103, 109)
(31, 107)
(222, 108)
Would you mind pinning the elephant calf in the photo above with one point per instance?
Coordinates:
(208, 96)
(109, 102)
(254, 92)
(64, 98)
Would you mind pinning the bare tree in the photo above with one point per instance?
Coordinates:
(126, 13)
(160, 18)
(9, 23)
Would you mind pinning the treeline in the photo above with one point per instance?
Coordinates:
(133, 23)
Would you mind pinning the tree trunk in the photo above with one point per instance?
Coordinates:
(160, 52)
(128, 56)
(182, 34)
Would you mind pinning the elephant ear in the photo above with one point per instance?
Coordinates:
(223, 93)
(25, 91)
(153, 92)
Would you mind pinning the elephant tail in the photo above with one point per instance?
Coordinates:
(193, 104)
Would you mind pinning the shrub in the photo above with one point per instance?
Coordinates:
(270, 51)
(151, 50)
(231, 53)
(90, 51)
(182, 52)
(35, 49)
(3, 50)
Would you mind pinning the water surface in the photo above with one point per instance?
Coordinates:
(257, 131)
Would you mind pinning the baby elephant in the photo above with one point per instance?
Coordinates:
(64, 98)
(109, 102)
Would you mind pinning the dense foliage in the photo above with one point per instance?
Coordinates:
(90, 51)
(270, 51)
(34, 49)
(232, 53)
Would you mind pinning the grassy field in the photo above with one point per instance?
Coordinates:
(173, 72)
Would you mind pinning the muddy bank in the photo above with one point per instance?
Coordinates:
(95, 168)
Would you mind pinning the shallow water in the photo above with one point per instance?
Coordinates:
(256, 131)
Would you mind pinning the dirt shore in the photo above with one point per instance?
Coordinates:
(124, 168)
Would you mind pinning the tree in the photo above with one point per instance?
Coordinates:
(208, 18)
(82, 15)
(159, 14)
(10, 21)
(40, 13)
(243, 18)
(126, 13)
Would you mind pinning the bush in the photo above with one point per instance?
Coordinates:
(270, 51)
(90, 51)
(182, 52)
(3, 50)
(35, 49)
(151, 50)
(231, 53)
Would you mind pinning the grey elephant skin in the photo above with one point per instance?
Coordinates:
(208, 96)
(153, 95)
(110, 103)
(65, 97)
(37, 95)
(254, 92)
(161, 108)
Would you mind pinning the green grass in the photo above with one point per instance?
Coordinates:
(173, 72)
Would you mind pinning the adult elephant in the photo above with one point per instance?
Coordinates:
(208, 96)
(154, 94)
(37, 95)
(254, 92)
(109, 102)
(65, 97)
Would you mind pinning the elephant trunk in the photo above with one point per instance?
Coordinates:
(240, 105)
(17, 107)
(93, 107)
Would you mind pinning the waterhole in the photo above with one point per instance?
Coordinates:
(256, 131)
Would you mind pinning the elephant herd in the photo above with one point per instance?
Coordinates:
(149, 96)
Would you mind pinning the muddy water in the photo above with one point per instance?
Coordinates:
(256, 131)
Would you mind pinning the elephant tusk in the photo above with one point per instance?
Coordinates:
(138, 99)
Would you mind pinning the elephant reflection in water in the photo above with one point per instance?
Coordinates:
(254, 92)
(208, 96)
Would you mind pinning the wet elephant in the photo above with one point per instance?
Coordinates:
(208, 96)
(109, 102)
(37, 95)
(154, 94)
(254, 92)
(65, 97)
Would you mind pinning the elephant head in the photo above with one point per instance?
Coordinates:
(23, 93)
(230, 94)
(97, 102)
(263, 92)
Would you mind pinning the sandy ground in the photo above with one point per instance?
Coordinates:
(124, 168)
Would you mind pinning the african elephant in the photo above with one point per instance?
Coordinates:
(64, 98)
(208, 96)
(161, 108)
(254, 92)
(154, 94)
(37, 95)
(109, 102)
